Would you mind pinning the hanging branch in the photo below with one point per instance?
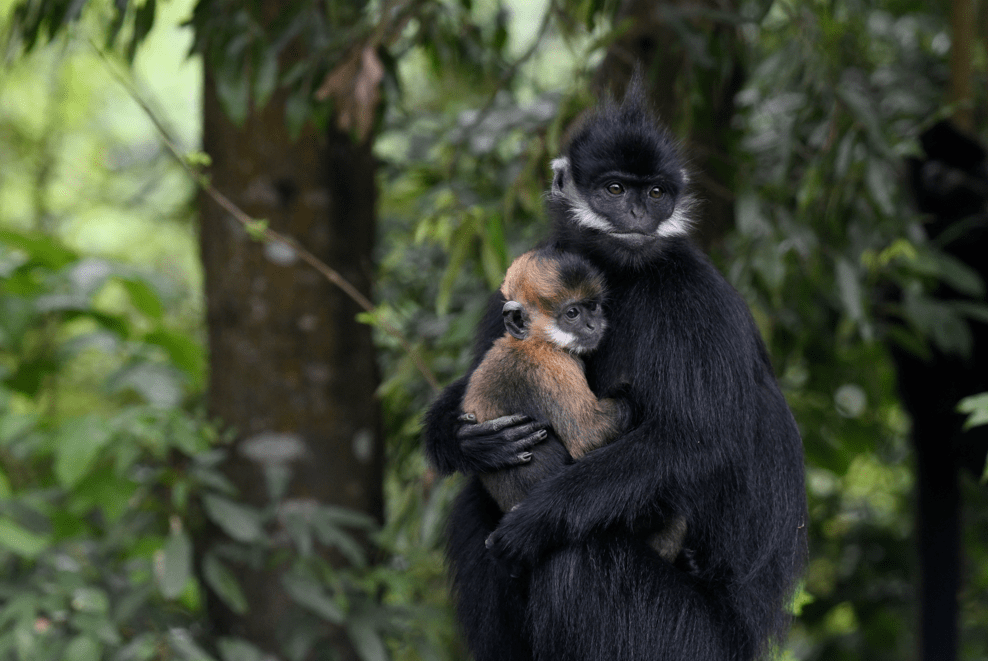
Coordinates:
(259, 229)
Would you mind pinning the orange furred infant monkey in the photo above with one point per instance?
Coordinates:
(553, 313)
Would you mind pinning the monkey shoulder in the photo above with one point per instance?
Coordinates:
(682, 319)
(501, 383)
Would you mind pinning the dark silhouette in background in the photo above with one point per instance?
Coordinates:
(951, 184)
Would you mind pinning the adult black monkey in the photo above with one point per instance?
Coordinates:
(715, 444)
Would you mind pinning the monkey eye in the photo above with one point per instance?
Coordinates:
(655, 192)
(591, 306)
(573, 312)
(614, 188)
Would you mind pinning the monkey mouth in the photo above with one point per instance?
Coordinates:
(632, 238)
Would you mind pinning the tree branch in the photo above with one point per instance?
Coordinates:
(258, 229)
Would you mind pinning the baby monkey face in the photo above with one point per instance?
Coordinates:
(579, 326)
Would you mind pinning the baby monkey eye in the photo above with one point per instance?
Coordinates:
(573, 312)
(655, 192)
(614, 188)
(591, 306)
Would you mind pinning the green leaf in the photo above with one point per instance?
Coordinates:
(41, 249)
(801, 599)
(939, 322)
(91, 600)
(184, 352)
(976, 407)
(233, 88)
(30, 375)
(309, 594)
(144, 647)
(257, 229)
(850, 290)
(183, 643)
(143, 297)
(298, 110)
(143, 22)
(20, 540)
(107, 488)
(176, 564)
(461, 242)
(342, 542)
(366, 640)
(226, 586)
(83, 648)
(265, 76)
(975, 311)
(113, 323)
(345, 517)
(960, 276)
(493, 261)
(240, 522)
(951, 271)
(198, 160)
(116, 23)
(17, 314)
(159, 385)
(882, 185)
(78, 443)
(238, 649)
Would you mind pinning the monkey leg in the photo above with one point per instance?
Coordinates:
(614, 599)
(489, 602)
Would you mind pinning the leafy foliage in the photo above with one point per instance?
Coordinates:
(107, 470)
(825, 229)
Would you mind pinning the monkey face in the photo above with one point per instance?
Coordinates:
(632, 206)
(579, 326)
(621, 187)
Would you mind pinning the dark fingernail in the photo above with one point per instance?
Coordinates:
(543, 433)
(525, 456)
(489, 542)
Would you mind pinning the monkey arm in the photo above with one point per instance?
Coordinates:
(673, 468)
(592, 426)
(618, 486)
(454, 444)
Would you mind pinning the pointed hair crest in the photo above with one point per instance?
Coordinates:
(625, 137)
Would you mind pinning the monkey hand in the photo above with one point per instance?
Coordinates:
(519, 540)
(625, 415)
(498, 443)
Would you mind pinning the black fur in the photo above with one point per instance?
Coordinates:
(570, 575)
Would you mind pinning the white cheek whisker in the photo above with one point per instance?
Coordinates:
(561, 338)
(679, 222)
(583, 215)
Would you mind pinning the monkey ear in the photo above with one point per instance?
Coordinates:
(515, 319)
(560, 167)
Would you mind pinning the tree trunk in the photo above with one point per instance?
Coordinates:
(693, 97)
(962, 33)
(286, 354)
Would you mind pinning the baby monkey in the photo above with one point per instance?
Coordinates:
(553, 313)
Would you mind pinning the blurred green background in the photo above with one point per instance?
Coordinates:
(124, 531)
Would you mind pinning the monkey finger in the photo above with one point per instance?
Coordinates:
(496, 548)
(489, 427)
(525, 436)
(519, 459)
